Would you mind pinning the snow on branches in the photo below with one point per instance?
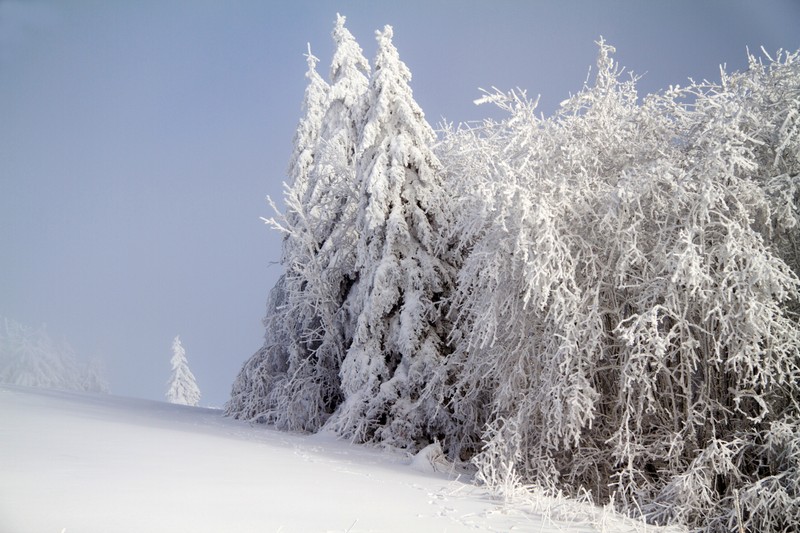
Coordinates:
(604, 301)
(183, 388)
(625, 312)
(31, 358)
(398, 345)
(293, 380)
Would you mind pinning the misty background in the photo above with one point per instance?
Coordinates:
(138, 141)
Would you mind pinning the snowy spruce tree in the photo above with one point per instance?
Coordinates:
(263, 388)
(94, 377)
(182, 387)
(390, 375)
(333, 202)
(306, 331)
(325, 265)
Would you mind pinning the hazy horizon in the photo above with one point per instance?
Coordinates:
(139, 141)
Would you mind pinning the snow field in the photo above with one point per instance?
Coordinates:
(82, 463)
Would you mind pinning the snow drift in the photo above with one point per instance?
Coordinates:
(91, 463)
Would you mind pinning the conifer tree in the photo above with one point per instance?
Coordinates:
(30, 357)
(320, 269)
(390, 373)
(182, 385)
(335, 197)
(307, 333)
(331, 197)
(269, 384)
(94, 379)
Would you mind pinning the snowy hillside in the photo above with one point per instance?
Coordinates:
(83, 463)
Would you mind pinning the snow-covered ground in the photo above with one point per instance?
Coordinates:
(84, 463)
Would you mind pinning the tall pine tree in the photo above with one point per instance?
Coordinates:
(390, 376)
(321, 273)
(293, 381)
(261, 390)
(325, 271)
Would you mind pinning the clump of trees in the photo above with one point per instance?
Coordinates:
(602, 301)
(31, 358)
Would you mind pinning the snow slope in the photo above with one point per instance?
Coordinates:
(83, 463)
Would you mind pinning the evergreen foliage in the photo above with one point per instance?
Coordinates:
(307, 334)
(390, 380)
(30, 357)
(182, 388)
(601, 302)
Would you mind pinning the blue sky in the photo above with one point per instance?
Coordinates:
(138, 141)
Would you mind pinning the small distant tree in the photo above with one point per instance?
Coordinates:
(94, 378)
(182, 385)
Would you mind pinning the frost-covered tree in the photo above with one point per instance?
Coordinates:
(94, 377)
(624, 324)
(331, 198)
(601, 302)
(263, 388)
(390, 375)
(30, 357)
(182, 387)
(758, 113)
(304, 159)
(307, 332)
(333, 203)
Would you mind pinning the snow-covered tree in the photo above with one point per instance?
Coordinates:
(94, 377)
(624, 325)
(29, 357)
(182, 387)
(261, 389)
(390, 375)
(307, 333)
(331, 197)
(601, 302)
(758, 113)
(319, 271)
(333, 203)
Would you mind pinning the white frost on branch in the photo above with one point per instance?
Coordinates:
(30, 357)
(182, 387)
(603, 302)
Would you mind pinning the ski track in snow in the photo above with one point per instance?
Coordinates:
(83, 463)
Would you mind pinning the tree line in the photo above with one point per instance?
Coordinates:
(602, 301)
